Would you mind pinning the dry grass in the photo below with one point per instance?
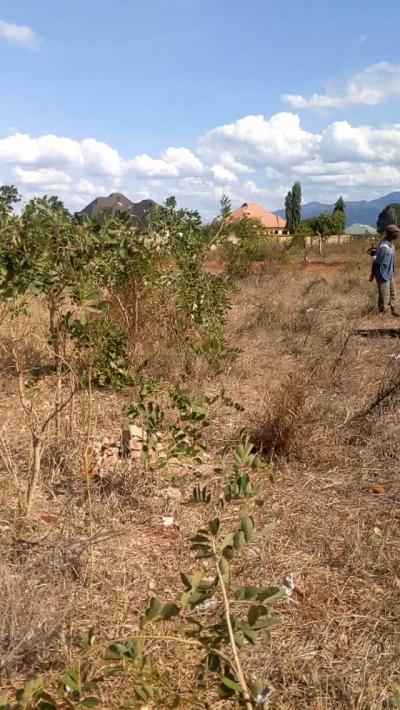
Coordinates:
(97, 562)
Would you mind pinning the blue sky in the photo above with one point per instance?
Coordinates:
(200, 97)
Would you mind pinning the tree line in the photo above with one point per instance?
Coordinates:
(324, 224)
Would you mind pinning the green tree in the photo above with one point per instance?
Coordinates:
(8, 197)
(389, 215)
(326, 224)
(339, 205)
(296, 199)
(201, 300)
(293, 208)
(289, 211)
(247, 241)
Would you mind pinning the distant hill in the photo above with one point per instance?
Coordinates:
(362, 211)
(138, 212)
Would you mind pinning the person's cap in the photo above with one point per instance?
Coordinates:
(392, 230)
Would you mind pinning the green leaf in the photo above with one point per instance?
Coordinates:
(71, 681)
(270, 595)
(185, 581)
(169, 611)
(116, 650)
(145, 692)
(31, 687)
(249, 633)
(153, 609)
(231, 684)
(396, 699)
(256, 688)
(247, 526)
(202, 539)
(239, 540)
(214, 526)
(203, 551)
(4, 703)
(253, 614)
(267, 623)
(90, 702)
(228, 552)
(207, 584)
(247, 593)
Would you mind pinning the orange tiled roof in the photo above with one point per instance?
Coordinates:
(255, 211)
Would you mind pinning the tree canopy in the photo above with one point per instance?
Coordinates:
(339, 205)
(326, 224)
(293, 208)
(389, 215)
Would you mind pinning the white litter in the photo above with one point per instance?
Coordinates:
(288, 584)
(263, 697)
(208, 605)
(168, 521)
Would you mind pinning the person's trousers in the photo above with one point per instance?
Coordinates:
(386, 294)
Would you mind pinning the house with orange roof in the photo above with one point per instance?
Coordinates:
(272, 223)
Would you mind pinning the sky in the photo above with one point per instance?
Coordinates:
(200, 98)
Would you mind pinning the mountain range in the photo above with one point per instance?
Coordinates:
(360, 211)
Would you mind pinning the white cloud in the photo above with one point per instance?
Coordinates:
(85, 187)
(92, 155)
(226, 159)
(345, 176)
(100, 158)
(363, 38)
(275, 151)
(42, 178)
(375, 85)
(254, 140)
(173, 162)
(342, 141)
(183, 160)
(223, 174)
(144, 165)
(47, 150)
(17, 34)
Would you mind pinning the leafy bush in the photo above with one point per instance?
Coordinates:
(246, 240)
(326, 224)
(101, 351)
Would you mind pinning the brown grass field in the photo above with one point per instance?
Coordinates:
(94, 552)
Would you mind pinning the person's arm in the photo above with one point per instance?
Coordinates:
(372, 274)
(380, 254)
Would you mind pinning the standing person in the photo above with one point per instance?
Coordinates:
(384, 266)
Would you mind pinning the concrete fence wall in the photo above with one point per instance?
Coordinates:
(310, 241)
(314, 241)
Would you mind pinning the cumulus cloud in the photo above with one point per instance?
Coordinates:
(17, 34)
(342, 141)
(255, 140)
(370, 87)
(223, 174)
(144, 165)
(184, 161)
(42, 178)
(173, 162)
(356, 160)
(46, 150)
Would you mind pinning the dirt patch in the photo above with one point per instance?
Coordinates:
(325, 266)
